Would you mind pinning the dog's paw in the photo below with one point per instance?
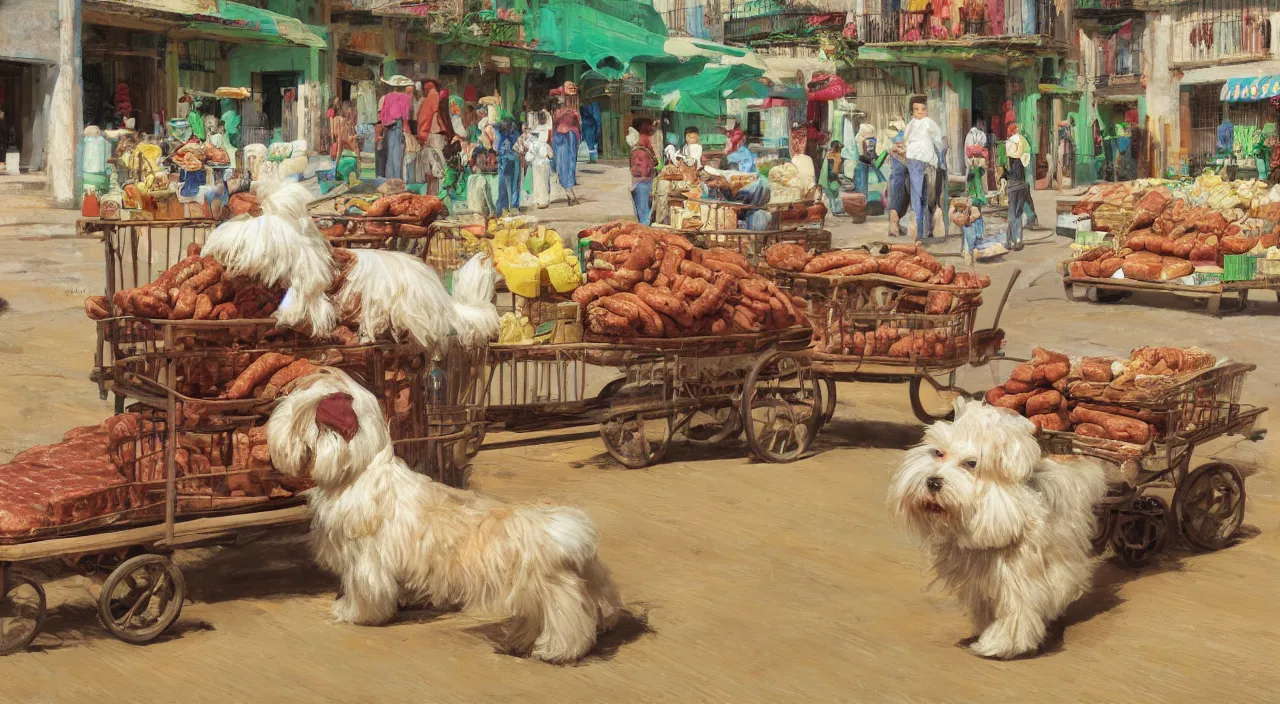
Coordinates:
(997, 649)
(344, 611)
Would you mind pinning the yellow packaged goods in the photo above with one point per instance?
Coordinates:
(515, 329)
(522, 271)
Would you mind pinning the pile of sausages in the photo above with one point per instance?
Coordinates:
(196, 288)
(903, 261)
(645, 282)
(418, 211)
(891, 341)
(1041, 391)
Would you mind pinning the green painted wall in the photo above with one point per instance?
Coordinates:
(247, 59)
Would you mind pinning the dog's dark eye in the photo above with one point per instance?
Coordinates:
(971, 464)
(939, 453)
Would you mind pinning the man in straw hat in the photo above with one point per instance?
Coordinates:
(393, 114)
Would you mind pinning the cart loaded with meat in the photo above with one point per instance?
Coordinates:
(1144, 416)
(894, 313)
(1177, 246)
(690, 341)
(198, 357)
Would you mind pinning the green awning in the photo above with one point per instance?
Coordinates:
(606, 43)
(248, 22)
(702, 90)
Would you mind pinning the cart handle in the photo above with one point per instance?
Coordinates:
(1005, 298)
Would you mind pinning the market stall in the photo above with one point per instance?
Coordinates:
(1144, 416)
(1203, 239)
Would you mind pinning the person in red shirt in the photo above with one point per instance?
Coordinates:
(432, 133)
(644, 164)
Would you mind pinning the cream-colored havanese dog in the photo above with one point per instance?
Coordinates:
(397, 537)
(1007, 530)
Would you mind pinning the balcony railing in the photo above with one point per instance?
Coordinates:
(795, 22)
(689, 21)
(1041, 19)
(1118, 67)
(1214, 30)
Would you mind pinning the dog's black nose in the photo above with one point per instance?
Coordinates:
(934, 484)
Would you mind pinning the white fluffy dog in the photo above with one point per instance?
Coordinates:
(397, 537)
(1006, 529)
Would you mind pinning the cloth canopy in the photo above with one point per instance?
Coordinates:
(236, 19)
(1248, 90)
(702, 90)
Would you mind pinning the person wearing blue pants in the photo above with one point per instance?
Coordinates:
(898, 196)
(923, 138)
(508, 166)
(644, 164)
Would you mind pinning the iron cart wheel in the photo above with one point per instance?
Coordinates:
(1210, 505)
(1106, 526)
(22, 611)
(828, 402)
(1141, 530)
(932, 401)
(636, 441)
(141, 598)
(781, 406)
(712, 426)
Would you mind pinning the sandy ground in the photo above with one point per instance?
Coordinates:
(745, 582)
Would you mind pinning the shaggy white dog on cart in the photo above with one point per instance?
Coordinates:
(397, 537)
(1006, 529)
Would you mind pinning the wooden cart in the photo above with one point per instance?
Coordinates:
(702, 389)
(142, 590)
(1111, 290)
(1208, 503)
(858, 304)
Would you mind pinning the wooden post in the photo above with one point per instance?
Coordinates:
(171, 439)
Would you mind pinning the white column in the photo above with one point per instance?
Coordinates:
(64, 113)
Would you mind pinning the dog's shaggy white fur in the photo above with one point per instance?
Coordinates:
(396, 537)
(399, 294)
(282, 247)
(1007, 530)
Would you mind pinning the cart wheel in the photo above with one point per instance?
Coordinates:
(1141, 530)
(932, 401)
(828, 402)
(141, 598)
(636, 442)
(1210, 505)
(473, 445)
(713, 426)
(1106, 526)
(1097, 295)
(22, 610)
(781, 406)
(612, 388)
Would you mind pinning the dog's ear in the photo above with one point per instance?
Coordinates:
(997, 516)
(963, 404)
(336, 413)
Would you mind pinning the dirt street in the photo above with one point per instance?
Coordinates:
(745, 582)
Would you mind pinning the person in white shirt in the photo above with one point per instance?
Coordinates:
(923, 138)
(691, 153)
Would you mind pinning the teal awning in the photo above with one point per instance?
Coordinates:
(702, 90)
(605, 42)
(248, 22)
(1248, 90)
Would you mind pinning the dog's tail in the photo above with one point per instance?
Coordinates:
(1072, 489)
(571, 534)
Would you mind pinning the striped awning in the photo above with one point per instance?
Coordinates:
(1248, 90)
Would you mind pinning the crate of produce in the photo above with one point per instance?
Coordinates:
(1269, 267)
(1239, 267)
(1089, 238)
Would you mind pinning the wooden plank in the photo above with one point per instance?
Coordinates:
(1132, 285)
(184, 532)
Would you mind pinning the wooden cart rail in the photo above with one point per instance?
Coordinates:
(185, 532)
(1212, 292)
